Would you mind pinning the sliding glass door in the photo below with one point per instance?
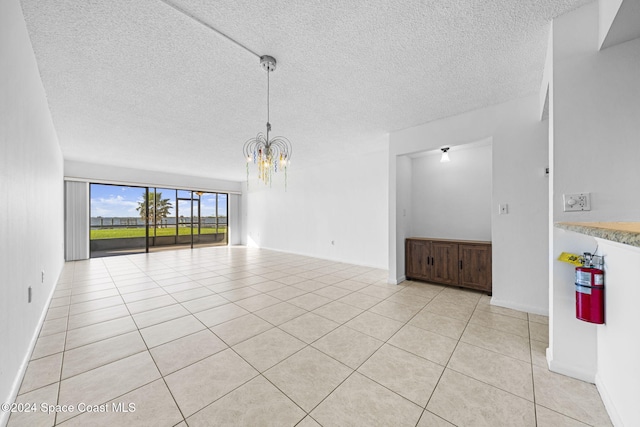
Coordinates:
(162, 218)
(185, 217)
(212, 219)
(117, 223)
(126, 219)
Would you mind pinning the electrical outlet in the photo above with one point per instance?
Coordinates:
(577, 202)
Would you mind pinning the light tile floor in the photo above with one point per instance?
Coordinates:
(238, 336)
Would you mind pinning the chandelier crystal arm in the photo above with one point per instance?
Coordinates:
(281, 145)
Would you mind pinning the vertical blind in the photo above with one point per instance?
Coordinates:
(76, 220)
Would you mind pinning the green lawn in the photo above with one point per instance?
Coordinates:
(121, 233)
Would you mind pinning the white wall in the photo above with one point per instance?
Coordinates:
(401, 210)
(596, 123)
(607, 11)
(452, 200)
(520, 238)
(519, 157)
(344, 201)
(31, 200)
(113, 174)
(618, 377)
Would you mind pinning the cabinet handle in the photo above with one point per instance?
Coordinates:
(431, 260)
(428, 261)
(460, 264)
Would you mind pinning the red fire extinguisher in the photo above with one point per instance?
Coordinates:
(590, 289)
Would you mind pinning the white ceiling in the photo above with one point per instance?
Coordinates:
(137, 84)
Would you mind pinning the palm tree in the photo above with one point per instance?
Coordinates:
(158, 208)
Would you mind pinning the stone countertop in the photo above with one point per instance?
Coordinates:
(621, 232)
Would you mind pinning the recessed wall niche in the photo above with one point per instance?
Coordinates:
(452, 200)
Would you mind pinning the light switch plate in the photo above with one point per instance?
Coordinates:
(503, 209)
(577, 202)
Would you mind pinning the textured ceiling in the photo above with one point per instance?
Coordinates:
(138, 84)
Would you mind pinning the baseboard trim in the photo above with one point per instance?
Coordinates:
(569, 370)
(17, 382)
(397, 281)
(322, 258)
(520, 307)
(608, 402)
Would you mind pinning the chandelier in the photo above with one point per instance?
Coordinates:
(269, 154)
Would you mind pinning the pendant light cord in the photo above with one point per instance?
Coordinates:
(201, 22)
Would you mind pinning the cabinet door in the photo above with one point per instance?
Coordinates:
(475, 266)
(417, 255)
(444, 268)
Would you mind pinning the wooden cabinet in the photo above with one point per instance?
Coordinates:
(449, 262)
(475, 266)
(420, 257)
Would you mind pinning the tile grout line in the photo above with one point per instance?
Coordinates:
(286, 358)
(154, 362)
(446, 364)
(306, 345)
(228, 347)
(496, 352)
(387, 298)
(64, 348)
(147, 350)
(533, 378)
(64, 351)
(356, 369)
